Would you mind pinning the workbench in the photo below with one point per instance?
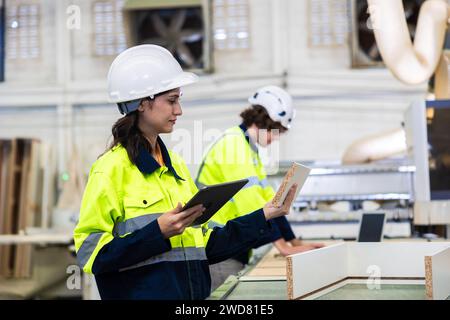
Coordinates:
(266, 280)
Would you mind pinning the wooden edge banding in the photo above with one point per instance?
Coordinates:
(428, 277)
(289, 279)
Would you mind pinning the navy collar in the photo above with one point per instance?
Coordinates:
(147, 164)
(244, 129)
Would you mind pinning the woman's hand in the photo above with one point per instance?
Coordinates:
(174, 222)
(271, 211)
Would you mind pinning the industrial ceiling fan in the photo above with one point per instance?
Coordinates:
(180, 30)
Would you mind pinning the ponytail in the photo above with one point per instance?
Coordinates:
(127, 133)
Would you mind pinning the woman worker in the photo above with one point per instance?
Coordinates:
(132, 234)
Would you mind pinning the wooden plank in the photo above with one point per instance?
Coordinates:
(15, 196)
(428, 278)
(48, 170)
(25, 206)
(38, 183)
(267, 272)
(262, 278)
(6, 263)
(437, 275)
(23, 165)
(32, 207)
(2, 191)
(21, 213)
(6, 145)
(272, 264)
(328, 265)
(20, 200)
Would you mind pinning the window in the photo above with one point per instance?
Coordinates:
(328, 22)
(231, 24)
(22, 31)
(109, 36)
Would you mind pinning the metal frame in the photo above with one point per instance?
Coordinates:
(416, 139)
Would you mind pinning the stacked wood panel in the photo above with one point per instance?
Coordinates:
(20, 201)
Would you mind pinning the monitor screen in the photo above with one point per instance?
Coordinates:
(371, 227)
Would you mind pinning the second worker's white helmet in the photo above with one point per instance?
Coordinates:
(277, 102)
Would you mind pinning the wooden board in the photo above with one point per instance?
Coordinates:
(28, 203)
(267, 272)
(273, 265)
(6, 145)
(2, 190)
(23, 165)
(33, 201)
(437, 275)
(272, 262)
(47, 157)
(5, 259)
(20, 205)
(312, 270)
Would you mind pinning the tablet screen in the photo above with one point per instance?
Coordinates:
(214, 198)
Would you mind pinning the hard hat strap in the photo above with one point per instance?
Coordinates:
(130, 106)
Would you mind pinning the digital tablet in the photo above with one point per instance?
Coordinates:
(213, 198)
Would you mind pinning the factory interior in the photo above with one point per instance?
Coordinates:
(368, 91)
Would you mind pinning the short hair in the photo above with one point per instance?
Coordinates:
(258, 115)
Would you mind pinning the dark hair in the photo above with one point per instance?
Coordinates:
(258, 115)
(127, 133)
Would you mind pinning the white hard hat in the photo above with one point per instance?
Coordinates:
(143, 71)
(277, 102)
